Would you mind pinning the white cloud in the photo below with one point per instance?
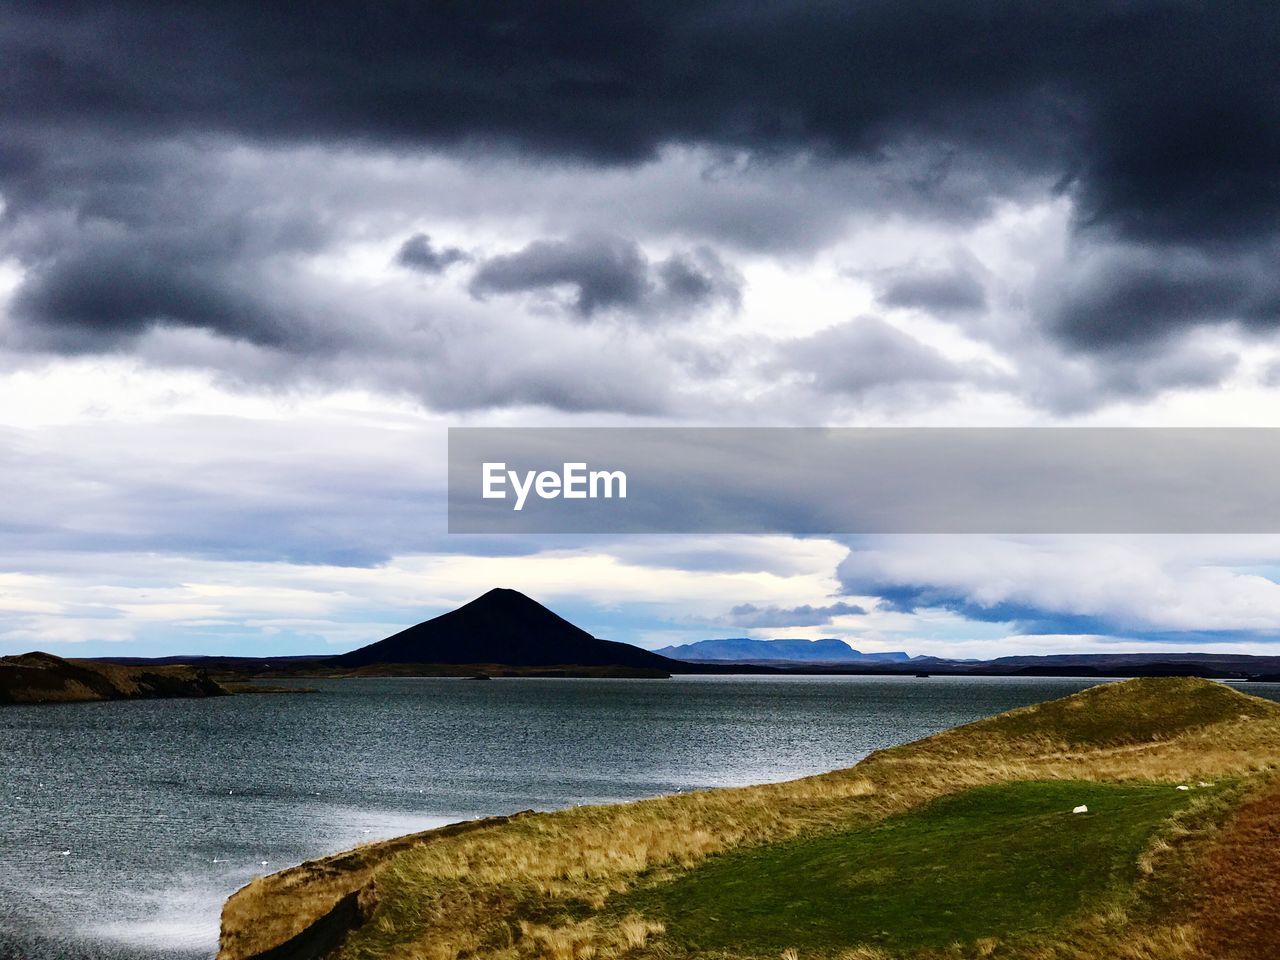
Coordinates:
(1148, 583)
(340, 606)
(246, 485)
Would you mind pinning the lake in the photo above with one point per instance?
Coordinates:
(123, 826)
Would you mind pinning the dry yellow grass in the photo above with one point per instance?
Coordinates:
(272, 909)
(529, 889)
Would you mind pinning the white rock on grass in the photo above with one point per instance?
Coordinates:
(1183, 786)
(1081, 809)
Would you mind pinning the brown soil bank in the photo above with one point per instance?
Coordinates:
(44, 678)
(570, 885)
(1238, 883)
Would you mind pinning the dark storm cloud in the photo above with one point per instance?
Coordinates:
(115, 240)
(420, 254)
(1161, 119)
(97, 297)
(697, 278)
(608, 82)
(943, 291)
(1116, 297)
(604, 272)
(607, 272)
(1145, 104)
(866, 354)
(806, 615)
(207, 258)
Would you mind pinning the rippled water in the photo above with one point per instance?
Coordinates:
(123, 826)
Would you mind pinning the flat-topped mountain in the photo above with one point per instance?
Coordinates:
(44, 678)
(746, 650)
(503, 627)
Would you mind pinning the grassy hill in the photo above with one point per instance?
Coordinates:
(961, 845)
(44, 678)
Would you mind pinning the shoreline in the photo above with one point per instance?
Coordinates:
(889, 782)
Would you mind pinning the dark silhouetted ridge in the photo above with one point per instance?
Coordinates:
(503, 627)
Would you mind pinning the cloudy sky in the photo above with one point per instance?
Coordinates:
(256, 258)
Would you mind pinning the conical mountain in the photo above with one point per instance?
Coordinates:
(504, 627)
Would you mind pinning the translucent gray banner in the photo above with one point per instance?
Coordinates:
(851, 480)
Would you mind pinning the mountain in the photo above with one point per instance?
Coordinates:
(44, 678)
(507, 628)
(746, 650)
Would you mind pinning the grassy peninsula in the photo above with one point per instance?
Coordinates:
(968, 844)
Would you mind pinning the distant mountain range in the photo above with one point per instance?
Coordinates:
(746, 650)
(505, 633)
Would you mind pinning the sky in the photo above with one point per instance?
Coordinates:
(255, 259)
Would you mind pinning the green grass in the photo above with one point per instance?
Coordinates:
(993, 861)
